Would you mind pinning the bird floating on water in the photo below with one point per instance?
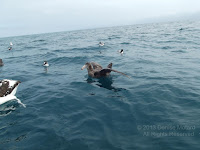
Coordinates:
(8, 89)
(45, 64)
(96, 71)
(10, 47)
(101, 44)
(1, 62)
(121, 51)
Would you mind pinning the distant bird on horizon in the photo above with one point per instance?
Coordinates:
(96, 71)
(101, 44)
(45, 64)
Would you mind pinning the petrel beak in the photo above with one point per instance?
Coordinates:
(84, 67)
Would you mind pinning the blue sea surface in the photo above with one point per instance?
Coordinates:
(157, 108)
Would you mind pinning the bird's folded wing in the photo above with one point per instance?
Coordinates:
(3, 88)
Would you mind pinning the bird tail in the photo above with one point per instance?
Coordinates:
(110, 66)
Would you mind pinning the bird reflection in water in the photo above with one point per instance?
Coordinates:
(45, 69)
(104, 82)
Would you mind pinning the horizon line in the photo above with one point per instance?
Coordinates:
(95, 28)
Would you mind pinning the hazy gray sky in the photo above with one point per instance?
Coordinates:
(21, 17)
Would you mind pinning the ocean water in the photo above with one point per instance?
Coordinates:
(157, 108)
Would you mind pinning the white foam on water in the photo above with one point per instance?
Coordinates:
(9, 98)
(18, 100)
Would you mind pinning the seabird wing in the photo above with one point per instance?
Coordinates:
(8, 87)
(3, 88)
(120, 72)
(105, 72)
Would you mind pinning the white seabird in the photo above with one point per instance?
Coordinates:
(11, 44)
(101, 44)
(8, 89)
(121, 51)
(45, 64)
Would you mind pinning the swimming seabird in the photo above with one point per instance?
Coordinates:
(121, 51)
(45, 64)
(96, 71)
(1, 62)
(8, 89)
(101, 44)
(10, 47)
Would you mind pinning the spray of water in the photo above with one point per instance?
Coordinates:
(18, 100)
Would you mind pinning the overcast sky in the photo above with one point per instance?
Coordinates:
(22, 17)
